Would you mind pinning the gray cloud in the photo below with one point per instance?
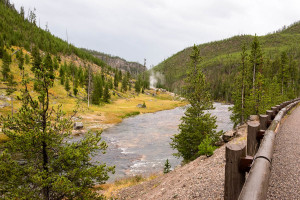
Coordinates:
(156, 29)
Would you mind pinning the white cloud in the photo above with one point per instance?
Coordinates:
(156, 29)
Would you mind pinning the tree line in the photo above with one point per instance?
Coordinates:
(261, 83)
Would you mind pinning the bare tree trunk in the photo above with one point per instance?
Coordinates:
(44, 143)
(254, 71)
(243, 94)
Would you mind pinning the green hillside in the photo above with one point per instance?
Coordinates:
(21, 31)
(220, 59)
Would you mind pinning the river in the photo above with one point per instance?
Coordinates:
(140, 144)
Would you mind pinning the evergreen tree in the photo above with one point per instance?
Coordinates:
(75, 91)
(283, 75)
(1, 47)
(196, 124)
(98, 89)
(256, 60)
(38, 161)
(206, 148)
(137, 87)
(62, 75)
(22, 12)
(110, 83)
(37, 60)
(241, 85)
(124, 84)
(120, 78)
(167, 167)
(116, 80)
(129, 85)
(55, 63)
(67, 84)
(106, 95)
(6, 66)
(27, 59)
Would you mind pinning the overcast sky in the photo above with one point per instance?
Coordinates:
(157, 29)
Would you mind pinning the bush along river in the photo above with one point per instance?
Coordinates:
(141, 144)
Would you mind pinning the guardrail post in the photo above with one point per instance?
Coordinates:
(263, 120)
(252, 144)
(234, 177)
(270, 114)
(278, 108)
(275, 110)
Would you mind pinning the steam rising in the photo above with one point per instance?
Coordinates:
(156, 79)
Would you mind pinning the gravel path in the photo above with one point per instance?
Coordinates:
(285, 174)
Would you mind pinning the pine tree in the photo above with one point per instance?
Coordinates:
(55, 63)
(6, 66)
(137, 87)
(116, 80)
(196, 123)
(67, 84)
(27, 59)
(256, 60)
(167, 167)
(124, 84)
(98, 89)
(241, 85)
(110, 83)
(120, 78)
(1, 47)
(283, 75)
(75, 91)
(22, 12)
(38, 161)
(62, 75)
(106, 95)
(37, 60)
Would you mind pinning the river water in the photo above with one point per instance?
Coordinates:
(140, 144)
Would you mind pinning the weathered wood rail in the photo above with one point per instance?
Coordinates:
(255, 157)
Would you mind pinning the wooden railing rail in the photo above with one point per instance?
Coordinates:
(255, 157)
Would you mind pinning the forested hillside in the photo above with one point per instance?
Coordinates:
(78, 74)
(18, 29)
(220, 59)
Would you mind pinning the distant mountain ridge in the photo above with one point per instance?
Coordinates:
(119, 63)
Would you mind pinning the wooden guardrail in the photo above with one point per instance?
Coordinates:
(255, 157)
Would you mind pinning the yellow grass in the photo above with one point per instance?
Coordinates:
(110, 189)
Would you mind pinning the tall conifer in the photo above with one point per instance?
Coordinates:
(196, 123)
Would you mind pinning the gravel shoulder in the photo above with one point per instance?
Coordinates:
(285, 173)
(201, 179)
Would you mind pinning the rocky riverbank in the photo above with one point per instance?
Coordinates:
(202, 178)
